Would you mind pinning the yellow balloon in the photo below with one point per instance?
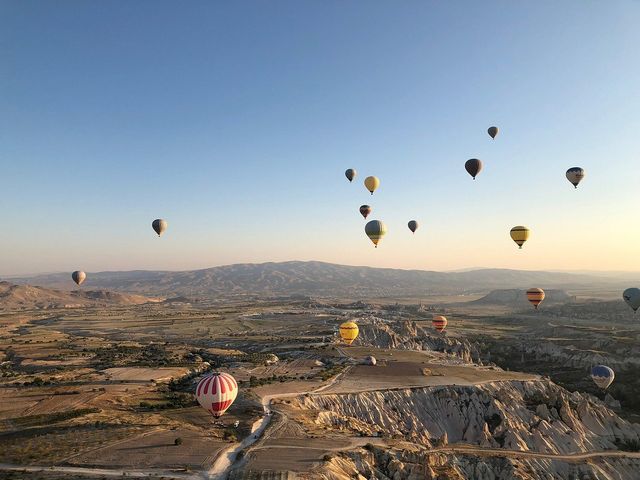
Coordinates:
(520, 234)
(348, 332)
(372, 183)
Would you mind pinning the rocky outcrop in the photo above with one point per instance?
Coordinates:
(536, 416)
(569, 355)
(385, 464)
(406, 335)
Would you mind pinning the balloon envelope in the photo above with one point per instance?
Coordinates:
(575, 175)
(535, 296)
(365, 210)
(375, 230)
(632, 297)
(439, 322)
(350, 174)
(159, 226)
(79, 276)
(349, 332)
(602, 376)
(372, 183)
(519, 234)
(492, 131)
(473, 167)
(413, 226)
(215, 393)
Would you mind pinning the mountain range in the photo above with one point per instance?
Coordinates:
(320, 279)
(14, 297)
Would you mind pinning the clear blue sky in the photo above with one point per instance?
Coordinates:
(236, 120)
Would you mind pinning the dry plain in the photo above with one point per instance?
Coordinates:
(110, 388)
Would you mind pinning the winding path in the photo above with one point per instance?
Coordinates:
(100, 472)
(499, 452)
(227, 458)
(221, 467)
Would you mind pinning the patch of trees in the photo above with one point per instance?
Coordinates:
(331, 371)
(49, 418)
(256, 382)
(172, 400)
(152, 355)
(631, 445)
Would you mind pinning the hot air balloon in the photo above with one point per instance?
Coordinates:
(575, 175)
(159, 225)
(473, 167)
(79, 277)
(602, 376)
(371, 361)
(348, 332)
(365, 210)
(413, 225)
(519, 235)
(492, 131)
(216, 393)
(632, 297)
(350, 174)
(372, 183)
(375, 230)
(535, 296)
(439, 322)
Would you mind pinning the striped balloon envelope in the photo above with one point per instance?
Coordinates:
(519, 235)
(349, 332)
(439, 322)
(216, 393)
(602, 376)
(375, 230)
(535, 296)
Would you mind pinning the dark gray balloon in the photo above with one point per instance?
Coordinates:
(159, 226)
(79, 276)
(350, 174)
(473, 167)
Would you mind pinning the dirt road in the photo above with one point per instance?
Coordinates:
(499, 452)
(101, 472)
(224, 462)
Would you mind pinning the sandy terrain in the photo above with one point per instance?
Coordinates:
(144, 374)
(156, 450)
(391, 375)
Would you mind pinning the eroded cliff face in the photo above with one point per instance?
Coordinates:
(622, 358)
(536, 416)
(407, 335)
(383, 464)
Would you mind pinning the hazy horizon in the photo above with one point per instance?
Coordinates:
(236, 122)
(9, 276)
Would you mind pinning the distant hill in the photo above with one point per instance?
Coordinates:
(318, 279)
(513, 297)
(15, 297)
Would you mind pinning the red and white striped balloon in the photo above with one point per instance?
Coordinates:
(216, 393)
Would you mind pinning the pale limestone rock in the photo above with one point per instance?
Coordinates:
(543, 412)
